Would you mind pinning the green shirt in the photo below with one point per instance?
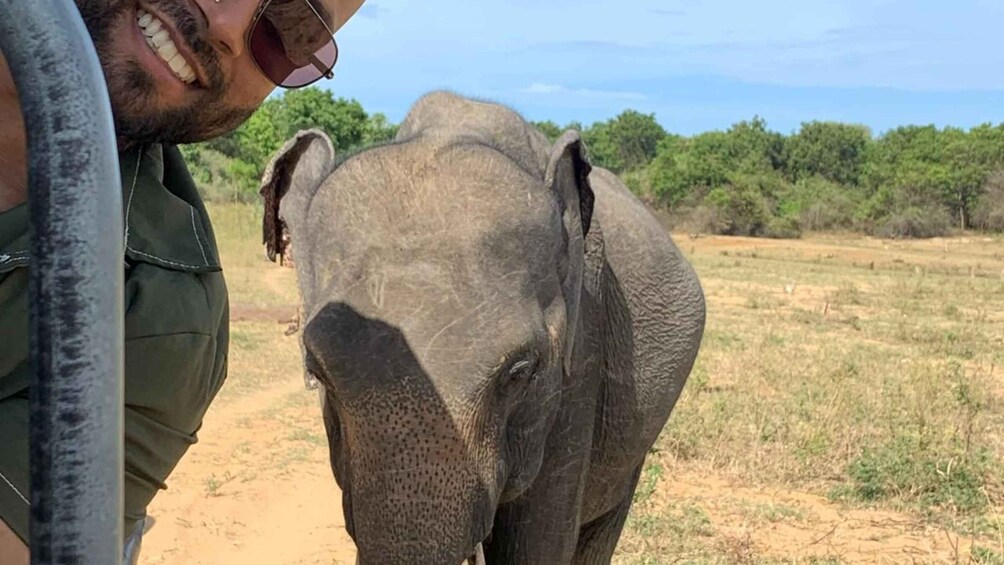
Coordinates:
(176, 328)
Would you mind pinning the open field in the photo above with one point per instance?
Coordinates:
(846, 407)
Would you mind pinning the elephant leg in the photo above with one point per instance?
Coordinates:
(598, 539)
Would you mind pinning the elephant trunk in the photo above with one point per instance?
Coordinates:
(420, 491)
(477, 559)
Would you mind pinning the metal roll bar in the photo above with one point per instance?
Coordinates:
(76, 264)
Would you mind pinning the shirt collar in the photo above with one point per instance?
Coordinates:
(166, 223)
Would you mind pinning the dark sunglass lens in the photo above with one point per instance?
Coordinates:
(324, 61)
(267, 50)
(292, 45)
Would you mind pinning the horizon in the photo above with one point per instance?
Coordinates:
(696, 67)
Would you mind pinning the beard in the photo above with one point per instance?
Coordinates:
(140, 116)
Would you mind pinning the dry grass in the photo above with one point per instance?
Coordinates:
(865, 371)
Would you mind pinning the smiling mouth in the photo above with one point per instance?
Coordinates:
(158, 38)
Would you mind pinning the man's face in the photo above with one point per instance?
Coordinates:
(154, 102)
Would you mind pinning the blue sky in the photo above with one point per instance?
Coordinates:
(697, 64)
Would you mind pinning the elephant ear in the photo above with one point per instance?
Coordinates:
(289, 183)
(568, 178)
(568, 175)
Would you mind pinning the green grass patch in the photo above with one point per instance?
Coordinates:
(985, 556)
(650, 476)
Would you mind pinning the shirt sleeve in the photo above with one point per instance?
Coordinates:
(171, 382)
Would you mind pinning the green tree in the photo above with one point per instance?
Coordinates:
(708, 160)
(551, 130)
(834, 151)
(636, 137)
(755, 148)
(574, 125)
(749, 205)
(260, 137)
(906, 170)
(932, 170)
(989, 210)
(624, 143)
(343, 120)
(378, 129)
(684, 165)
(818, 203)
(603, 150)
(912, 181)
(971, 157)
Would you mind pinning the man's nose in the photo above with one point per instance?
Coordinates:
(229, 21)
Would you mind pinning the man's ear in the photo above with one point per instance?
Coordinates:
(289, 184)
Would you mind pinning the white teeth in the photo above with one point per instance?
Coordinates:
(167, 51)
(160, 41)
(177, 64)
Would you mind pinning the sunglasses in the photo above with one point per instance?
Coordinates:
(292, 43)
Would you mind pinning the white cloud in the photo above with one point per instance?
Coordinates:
(542, 88)
(539, 88)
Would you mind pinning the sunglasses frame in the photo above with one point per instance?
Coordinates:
(326, 71)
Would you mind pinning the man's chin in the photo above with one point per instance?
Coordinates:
(161, 123)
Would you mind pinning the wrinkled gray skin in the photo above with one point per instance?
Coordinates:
(499, 330)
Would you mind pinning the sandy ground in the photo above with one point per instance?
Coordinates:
(244, 495)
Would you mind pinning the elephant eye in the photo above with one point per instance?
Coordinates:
(524, 370)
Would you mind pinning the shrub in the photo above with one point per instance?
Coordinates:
(740, 210)
(220, 178)
(989, 211)
(782, 227)
(915, 222)
(820, 204)
(702, 220)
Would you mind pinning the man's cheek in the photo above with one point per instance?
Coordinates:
(248, 87)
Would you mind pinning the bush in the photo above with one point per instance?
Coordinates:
(638, 183)
(782, 228)
(820, 204)
(702, 219)
(989, 211)
(220, 178)
(915, 222)
(740, 210)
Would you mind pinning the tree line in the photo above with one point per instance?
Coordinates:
(230, 167)
(912, 181)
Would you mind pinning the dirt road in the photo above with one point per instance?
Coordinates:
(257, 488)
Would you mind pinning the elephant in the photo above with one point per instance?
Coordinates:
(499, 329)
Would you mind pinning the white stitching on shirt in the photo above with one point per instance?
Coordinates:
(132, 191)
(197, 240)
(11, 257)
(161, 259)
(11, 485)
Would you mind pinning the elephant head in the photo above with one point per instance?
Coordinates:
(440, 277)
